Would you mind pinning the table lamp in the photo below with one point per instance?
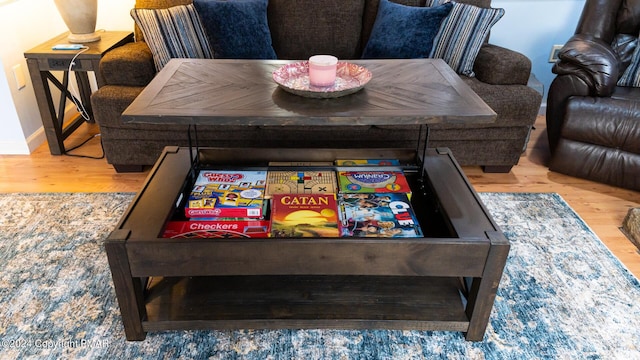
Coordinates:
(80, 17)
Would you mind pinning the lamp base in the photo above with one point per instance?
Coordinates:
(83, 38)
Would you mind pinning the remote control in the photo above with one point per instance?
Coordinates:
(67, 47)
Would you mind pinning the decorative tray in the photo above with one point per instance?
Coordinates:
(294, 78)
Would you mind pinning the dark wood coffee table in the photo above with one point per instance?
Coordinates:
(233, 92)
(446, 280)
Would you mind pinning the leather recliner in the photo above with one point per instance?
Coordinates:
(593, 124)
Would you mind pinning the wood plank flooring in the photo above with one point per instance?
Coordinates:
(601, 206)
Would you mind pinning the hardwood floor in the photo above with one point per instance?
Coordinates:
(601, 206)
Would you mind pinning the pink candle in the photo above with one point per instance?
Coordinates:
(322, 70)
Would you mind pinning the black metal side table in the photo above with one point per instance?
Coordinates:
(42, 60)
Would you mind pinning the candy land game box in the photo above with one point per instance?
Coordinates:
(373, 182)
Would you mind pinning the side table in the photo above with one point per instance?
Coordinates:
(42, 60)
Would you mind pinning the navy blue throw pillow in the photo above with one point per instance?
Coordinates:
(236, 29)
(404, 32)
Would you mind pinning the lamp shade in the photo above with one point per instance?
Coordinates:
(80, 17)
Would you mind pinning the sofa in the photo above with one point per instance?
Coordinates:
(299, 29)
(593, 107)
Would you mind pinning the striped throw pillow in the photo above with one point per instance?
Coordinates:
(631, 76)
(175, 32)
(462, 34)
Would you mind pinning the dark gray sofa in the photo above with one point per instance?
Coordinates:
(501, 81)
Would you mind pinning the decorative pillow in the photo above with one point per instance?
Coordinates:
(631, 76)
(404, 32)
(236, 29)
(462, 34)
(175, 32)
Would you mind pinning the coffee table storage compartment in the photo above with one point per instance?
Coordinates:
(446, 280)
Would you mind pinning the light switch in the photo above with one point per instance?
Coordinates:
(18, 74)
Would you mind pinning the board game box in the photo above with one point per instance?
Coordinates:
(377, 215)
(368, 162)
(219, 193)
(300, 163)
(217, 229)
(304, 215)
(265, 215)
(373, 182)
(301, 182)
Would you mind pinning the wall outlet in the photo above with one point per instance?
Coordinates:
(18, 75)
(553, 56)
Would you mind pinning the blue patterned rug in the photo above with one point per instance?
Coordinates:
(563, 294)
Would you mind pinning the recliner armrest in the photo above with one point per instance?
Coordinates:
(129, 65)
(501, 66)
(592, 60)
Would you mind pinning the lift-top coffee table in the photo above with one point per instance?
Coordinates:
(446, 280)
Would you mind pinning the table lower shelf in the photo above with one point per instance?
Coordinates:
(303, 302)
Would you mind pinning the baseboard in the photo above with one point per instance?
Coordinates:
(543, 108)
(36, 139)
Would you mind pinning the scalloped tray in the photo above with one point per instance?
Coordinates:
(294, 78)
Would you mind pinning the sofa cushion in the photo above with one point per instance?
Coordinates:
(608, 122)
(302, 28)
(462, 34)
(174, 32)
(628, 20)
(237, 29)
(520, 107)
(130, 64)
(624, 45)
(404, 32)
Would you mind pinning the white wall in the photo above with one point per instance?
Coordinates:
(19, 113)
(10, 122)
(529, 26)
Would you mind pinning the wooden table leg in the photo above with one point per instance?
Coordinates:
(129, 290)
(52, 130)
(483, 290)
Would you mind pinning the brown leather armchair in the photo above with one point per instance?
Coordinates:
(594, 125)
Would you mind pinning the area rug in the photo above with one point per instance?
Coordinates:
(563, 294)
